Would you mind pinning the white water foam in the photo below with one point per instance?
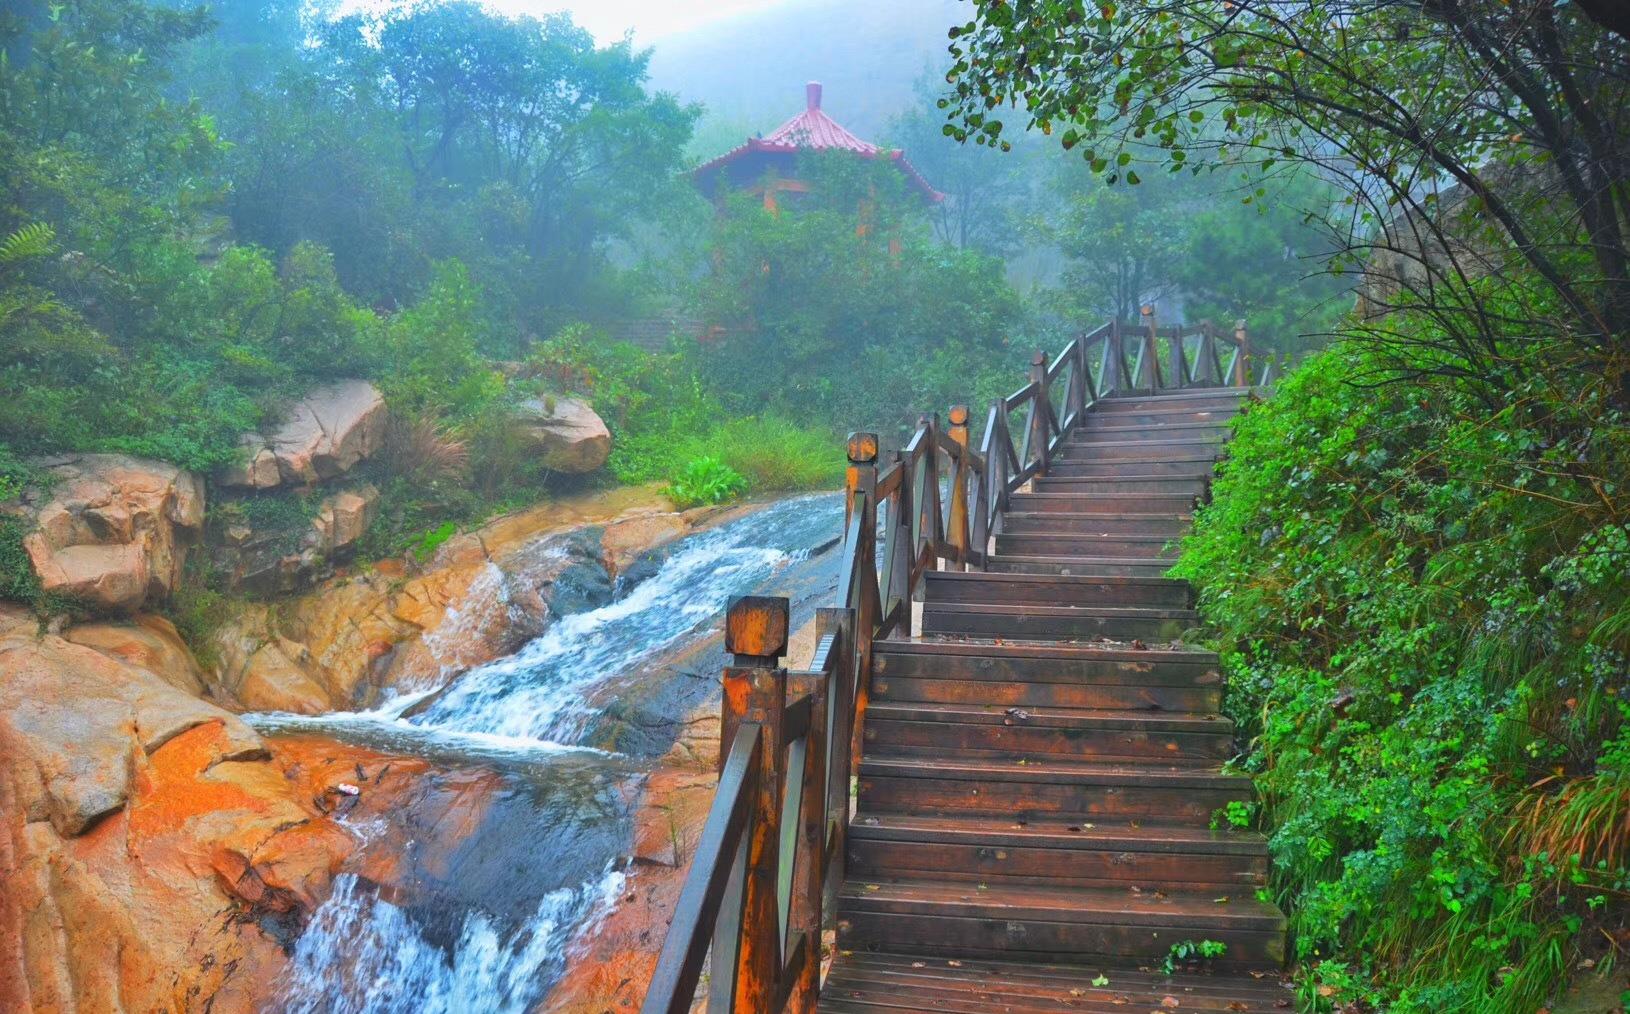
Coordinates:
(362, 955)
(538, 693)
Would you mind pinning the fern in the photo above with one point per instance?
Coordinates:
(33, 240)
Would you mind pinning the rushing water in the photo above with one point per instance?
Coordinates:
(364, 954)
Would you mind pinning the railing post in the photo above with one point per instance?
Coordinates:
(1040, 431)
(861, 482)
(842, 625)
(930, 519)
(755, 690)
(1083, 379)
(1180, 360)
(1151, 349)
(957, 536)
(1242, 363)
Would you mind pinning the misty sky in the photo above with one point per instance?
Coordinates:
(609, 19)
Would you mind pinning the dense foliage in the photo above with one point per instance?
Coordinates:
(1424, 602)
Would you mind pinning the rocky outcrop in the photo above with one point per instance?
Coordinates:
(565, 434)
(480, 597)
(293, 552)
(153, 854)
(326, 434)
(112, 531)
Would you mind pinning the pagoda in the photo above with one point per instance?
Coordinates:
(769, 165)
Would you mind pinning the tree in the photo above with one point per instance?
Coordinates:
(1474, 139)
(1122, 245)
(985, 194)
(846, 308)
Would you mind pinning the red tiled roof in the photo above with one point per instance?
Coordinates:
(813, 130)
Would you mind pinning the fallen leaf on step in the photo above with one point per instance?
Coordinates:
(1102, 980)
(954, 963)
(1169, 1001)
(1237, 1005)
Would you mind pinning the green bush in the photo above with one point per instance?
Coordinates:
(1423, 600)
(705, 480)
(661, 417)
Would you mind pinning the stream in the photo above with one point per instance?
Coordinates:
(489, 922)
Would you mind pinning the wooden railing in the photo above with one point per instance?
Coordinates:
(770, 856)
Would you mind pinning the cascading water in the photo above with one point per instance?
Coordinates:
(364, 954)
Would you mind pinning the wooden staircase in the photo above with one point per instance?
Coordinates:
(1042, 766)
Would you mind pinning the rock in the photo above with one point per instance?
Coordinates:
(81, 715)
(113, 531)
(147, 642)
(566, 434)
(343, 518)
(274, 680)
(627, 539)
(257, 471)
(326, 434)
(153, 854)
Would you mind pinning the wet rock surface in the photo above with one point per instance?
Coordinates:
(112, 531)
(153, 855)
(325, 435)
(565, 433)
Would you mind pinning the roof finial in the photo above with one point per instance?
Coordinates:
(812, 92)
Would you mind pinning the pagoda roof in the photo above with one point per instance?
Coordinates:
(814, 130)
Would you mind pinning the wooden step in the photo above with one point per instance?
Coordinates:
(1081, 544)
(974, 730)
(1070, 623)
(1081, 922)
(1095, 428)
(863, 982)
(1114, 414)
(1071, 854)
(1053, 675)
(1170, 794)
(1155, 450)
(1213, 399)
(1081, 566)
(1195, 468)
(1101, 503)
(1061, 522)
(1054, 589)
(1163, 485)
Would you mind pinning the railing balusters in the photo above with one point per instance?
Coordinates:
(1040, 434)
(961, 478)
(1149, 351)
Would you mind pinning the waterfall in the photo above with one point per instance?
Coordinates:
(364, 954)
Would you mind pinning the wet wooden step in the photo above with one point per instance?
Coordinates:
(937, 918)
(1075, 623)
(1084, 566)
(1170, 794)
(1110, 427)
(1042, 522)
(1081, 544)
(1229, 400)
(982, 729)
(870, 983)
(1107, 503)
(1069, 853)
(1056, 589)
(1142, 483)
(1155, 450)
(1059, 663)
(1029, 676)
(1196, 468)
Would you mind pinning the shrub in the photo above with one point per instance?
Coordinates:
(705, 480)
(1423, 597)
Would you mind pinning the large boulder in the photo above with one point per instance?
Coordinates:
(326, 434)
(112, 531)
(153, 854)
(565, 434)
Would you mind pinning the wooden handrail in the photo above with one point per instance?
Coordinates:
(793, 737)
